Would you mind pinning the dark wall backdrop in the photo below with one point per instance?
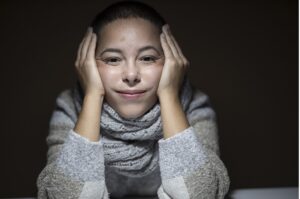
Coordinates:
(244, 55)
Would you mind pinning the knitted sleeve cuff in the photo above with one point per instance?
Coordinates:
(84, 139)
(81, 159)
(180, 154)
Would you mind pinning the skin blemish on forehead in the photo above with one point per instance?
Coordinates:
(129, 34)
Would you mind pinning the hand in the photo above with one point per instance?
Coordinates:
(86, 67)
(174, 67)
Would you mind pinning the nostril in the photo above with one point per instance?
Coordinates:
(137, 80)
(132, 78)
(132, 81)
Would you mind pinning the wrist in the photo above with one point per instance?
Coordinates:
(173, 115)
(94, 94)
(168, 97)
(93, 99)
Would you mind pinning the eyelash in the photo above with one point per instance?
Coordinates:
(152, 59)
(111, 58)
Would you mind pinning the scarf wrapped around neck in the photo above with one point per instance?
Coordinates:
(131, 145)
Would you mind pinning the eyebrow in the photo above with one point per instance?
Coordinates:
(116, 50)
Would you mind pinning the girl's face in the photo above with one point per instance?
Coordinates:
(130, 61)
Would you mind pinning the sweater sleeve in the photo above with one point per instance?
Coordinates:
(75, 165)
(190, 164)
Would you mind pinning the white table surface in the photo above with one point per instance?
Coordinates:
(253, 193)
(266, 193)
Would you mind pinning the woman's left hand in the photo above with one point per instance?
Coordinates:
(174, 67)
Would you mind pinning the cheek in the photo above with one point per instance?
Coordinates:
(106, 74)
(153, 75)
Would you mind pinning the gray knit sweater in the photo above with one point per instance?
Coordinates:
(189, 163)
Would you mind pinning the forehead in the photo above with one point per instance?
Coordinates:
(128, 33)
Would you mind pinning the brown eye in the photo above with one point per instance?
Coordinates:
(148, 59)
(112, 60)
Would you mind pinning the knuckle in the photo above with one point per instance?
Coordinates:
(186, 62)
(86, 62)
(80, 64)
(180, 62)
(172, 62)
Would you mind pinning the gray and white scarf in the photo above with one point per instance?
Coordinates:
(131, 145)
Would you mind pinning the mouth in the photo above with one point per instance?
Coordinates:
(131, 94)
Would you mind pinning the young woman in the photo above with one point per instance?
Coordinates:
(132, 125)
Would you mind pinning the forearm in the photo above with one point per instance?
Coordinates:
(88, 123)
(76, 172)
(188, 168)
(75, 165)
(173, 116)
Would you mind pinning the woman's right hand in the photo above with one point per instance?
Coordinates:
(86, 67)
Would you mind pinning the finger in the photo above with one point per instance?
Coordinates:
(166, 48)
(170, 41)
(85, 46)
(167, 39)
(178, 49)
(92, 47)
(78, 58)
(182, 57)
(178, 53)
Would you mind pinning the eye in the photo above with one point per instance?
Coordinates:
(148, 59)
(112, 60)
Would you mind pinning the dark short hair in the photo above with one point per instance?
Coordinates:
(125, 10)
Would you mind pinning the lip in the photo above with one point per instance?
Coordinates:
(131, 94)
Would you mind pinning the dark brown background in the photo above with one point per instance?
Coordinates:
(244, 55)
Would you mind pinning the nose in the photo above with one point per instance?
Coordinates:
(131, 75)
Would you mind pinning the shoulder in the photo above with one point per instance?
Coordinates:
(201, 96)
(65, 98)
(200, 107)
(65, 104)
(204, 120)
